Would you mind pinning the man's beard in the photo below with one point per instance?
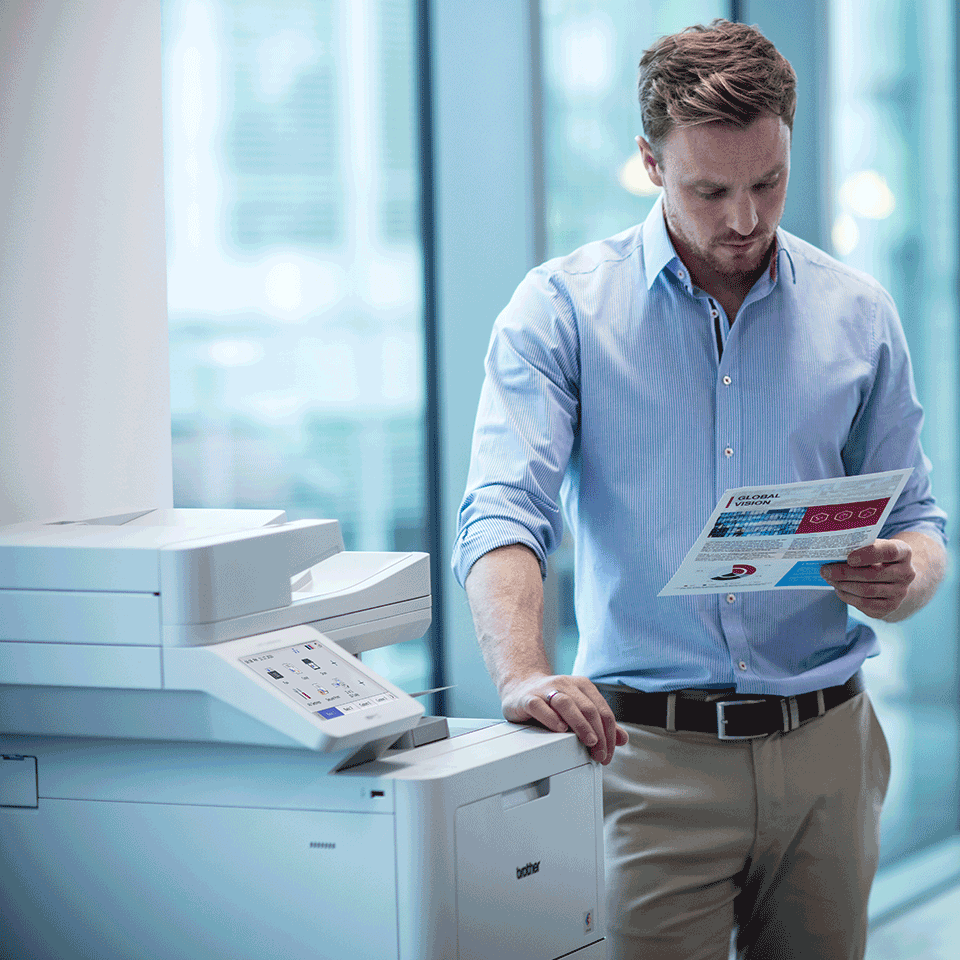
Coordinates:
(728, 265)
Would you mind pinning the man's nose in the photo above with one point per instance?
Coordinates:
(742, 214)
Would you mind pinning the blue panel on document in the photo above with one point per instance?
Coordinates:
(806, 573)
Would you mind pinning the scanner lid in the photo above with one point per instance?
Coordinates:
(240, 561)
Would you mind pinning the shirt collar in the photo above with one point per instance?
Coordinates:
(782, 254)
(658, 251)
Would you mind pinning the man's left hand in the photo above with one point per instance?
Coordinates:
(875, 579)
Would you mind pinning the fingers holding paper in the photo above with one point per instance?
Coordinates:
(889, 579)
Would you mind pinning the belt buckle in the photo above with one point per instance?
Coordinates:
(722, 720)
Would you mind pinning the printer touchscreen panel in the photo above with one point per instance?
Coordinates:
(318, 680)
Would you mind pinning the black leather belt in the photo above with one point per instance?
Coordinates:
(727, 715)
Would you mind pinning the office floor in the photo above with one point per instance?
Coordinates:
(930, 931)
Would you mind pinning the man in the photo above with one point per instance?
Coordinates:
(636, 380)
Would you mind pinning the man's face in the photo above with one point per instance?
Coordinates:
(724, 188)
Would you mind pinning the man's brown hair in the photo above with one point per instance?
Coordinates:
(727, 72)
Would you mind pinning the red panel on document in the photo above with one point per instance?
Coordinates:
(842, 516)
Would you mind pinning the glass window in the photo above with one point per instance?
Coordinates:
(295, 267)
(595, 183)
(893, 195)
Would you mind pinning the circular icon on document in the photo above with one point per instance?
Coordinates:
(739, 570)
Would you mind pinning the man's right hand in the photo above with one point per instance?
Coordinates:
(505, 591)
(562, 703)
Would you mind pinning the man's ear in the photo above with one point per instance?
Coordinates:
(650, 163)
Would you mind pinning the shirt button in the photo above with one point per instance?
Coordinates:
(714, 314)
(742, 665)
(727, 381)
(728, 452)
(681, 274)
(731, 598)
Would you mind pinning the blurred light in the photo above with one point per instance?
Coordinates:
(327, 367)
(867, 194)
(192, 169)
(191, 97)
(845, 235)
(586, 56)
(390, 283)
(585, 133)
(281, 59)
(634, 178)
(274, 405)
(400, 370)
(193, 225)
(283, 287)
(235, 353)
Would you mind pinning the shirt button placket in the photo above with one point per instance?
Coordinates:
(726, 380)
(730, 621)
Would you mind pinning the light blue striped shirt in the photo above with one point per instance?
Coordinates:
(606, 392)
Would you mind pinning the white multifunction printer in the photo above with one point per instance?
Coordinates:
(195, 765)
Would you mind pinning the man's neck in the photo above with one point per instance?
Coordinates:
(728, 289)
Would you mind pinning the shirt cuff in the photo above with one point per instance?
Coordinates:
(485, 535)
(932, 529)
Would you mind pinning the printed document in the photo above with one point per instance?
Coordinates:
(778, 537)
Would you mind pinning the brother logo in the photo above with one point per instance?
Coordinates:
(527, 870)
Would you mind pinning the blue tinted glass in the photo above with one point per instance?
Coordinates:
(294, 266)
(893, 201)
(595, 184)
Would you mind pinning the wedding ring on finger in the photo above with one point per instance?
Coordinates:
(550, 696)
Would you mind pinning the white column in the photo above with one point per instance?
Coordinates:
(84, 367)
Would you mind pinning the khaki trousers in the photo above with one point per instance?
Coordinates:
(773, 840)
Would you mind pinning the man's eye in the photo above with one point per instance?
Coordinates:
(711, 194)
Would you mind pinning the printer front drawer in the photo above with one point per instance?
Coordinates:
(528, 880)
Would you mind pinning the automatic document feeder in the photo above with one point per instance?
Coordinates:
(194, 763)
